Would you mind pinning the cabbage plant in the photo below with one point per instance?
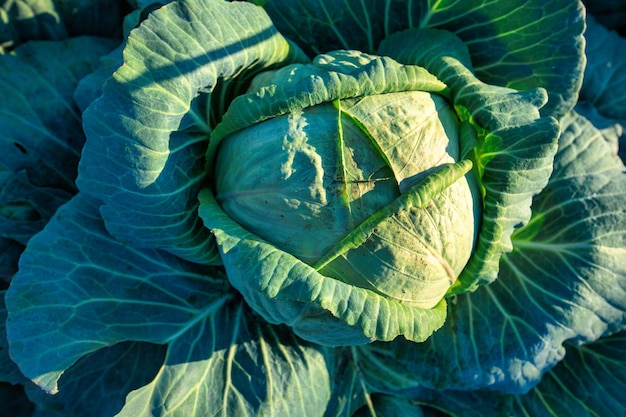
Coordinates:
(321, 208)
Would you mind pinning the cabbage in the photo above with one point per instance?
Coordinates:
(291, 207)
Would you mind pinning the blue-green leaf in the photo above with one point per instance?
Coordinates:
(604, 84)
(142, 157)
(514, 43)
(9, 371)
(97, 385)
(24, 20)
(605, 74)
(39, 119)
(235, 364)
(589, 382)
(350, 390)
(470, 403)
(390, 406)
(65, 307)
(97, 292)
(35, 129)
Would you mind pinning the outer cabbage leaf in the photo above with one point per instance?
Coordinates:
(516, 44)
(25, 208)
(349, 389)
(612, 131)
(472, 403)
(389, 406)
(514, 149)
(235, 364)
(604, 85)
(589, 382)
(143, 158)
(8, 369)
(50, 125)
(23, 20)
(605, 74)
(354, 394)
(89, 87)
(32, 184)
(97, 385)
(64, 306)
(95, 293)
(564, 280)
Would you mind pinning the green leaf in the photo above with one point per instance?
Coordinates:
(24, 20)
(141, 158)
(471, 403)
(89, 87)
(50, 125)
(423, 210)
(251, 369)
(25, 208)
(9, 371)
(283, 289)
(350, 390)
(389, 406)
(515, 144)
(97, 292)
(589, 382)
(517, 43)
(605, 74)
(563, 281)
(612, 131)
(356, 392)
(97, 385)
(32, 183)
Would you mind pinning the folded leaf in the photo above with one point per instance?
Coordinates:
(141, 159)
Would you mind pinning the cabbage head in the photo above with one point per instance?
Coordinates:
(357, 190)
